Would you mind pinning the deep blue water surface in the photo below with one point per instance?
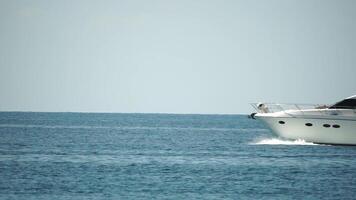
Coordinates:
(163, 156)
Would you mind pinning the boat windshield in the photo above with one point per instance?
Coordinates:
(345, 104)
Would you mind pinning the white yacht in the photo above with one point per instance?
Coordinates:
(335, 124)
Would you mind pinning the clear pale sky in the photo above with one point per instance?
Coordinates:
(182, 56)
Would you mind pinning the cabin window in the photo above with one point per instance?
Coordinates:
(281, 122)
(336, 126)
(326, 125)
(345, 104)
(308, 124)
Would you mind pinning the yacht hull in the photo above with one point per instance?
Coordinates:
(317, 130)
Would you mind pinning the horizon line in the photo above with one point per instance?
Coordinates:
(102, 112)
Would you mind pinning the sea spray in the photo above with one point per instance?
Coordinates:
(279, 141)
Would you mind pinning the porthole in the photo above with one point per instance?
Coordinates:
(336, 126)
(308, 124)
(326, 125)
(281, 122)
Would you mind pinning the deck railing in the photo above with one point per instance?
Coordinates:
(321, 109)
(277, 107)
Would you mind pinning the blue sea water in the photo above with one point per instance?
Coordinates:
(164, 156)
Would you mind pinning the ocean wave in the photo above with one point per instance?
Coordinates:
(130, 127)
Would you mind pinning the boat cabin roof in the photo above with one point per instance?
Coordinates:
(352, 97)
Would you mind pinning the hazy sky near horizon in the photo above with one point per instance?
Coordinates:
(182, 56)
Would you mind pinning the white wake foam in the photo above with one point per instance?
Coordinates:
(278, 141)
